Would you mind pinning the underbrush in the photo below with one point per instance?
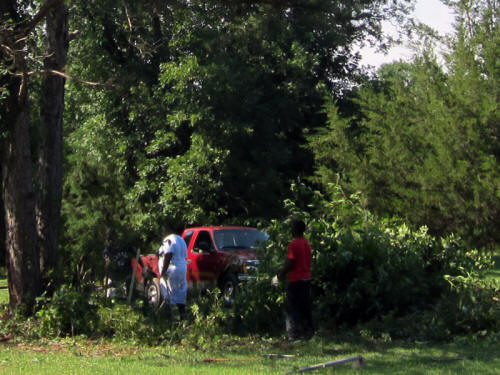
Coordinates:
(369, 270)
(376, 276)
(256, 310)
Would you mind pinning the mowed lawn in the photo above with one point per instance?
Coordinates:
(250, 356)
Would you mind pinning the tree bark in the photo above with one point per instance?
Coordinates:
(49, 174)
(3, 251)
(19, 203)
(21, 242)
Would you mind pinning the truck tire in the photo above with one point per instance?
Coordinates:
(153, 293)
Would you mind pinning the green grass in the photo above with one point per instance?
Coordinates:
(466, 356)
(494, 272)
(4, 292)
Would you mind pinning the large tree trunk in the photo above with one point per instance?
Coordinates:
(49, 178)
(19, 201)
(21, 242)
(2, 220)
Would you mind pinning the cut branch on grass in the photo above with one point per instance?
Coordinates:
(357, 362)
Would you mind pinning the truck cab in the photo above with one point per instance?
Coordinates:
(221, 256)
(217, 256)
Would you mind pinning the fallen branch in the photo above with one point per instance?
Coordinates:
(208, 360)
(274, 356)
(358, 361)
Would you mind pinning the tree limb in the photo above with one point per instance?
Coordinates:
(73, 35)
(39, 16)
(65, 76)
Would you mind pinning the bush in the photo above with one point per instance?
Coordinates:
(254, 305)
(68, 312)
(371, 273)
(366, 269)
(122, 322)
(470, 305)
(208, 321)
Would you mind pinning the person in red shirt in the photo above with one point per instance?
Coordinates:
(297, 268)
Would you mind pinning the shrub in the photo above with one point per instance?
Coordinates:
(254, 305)
(119, 321)
(374, 272)
(68, 312)
(368, 269)
(207, 323)
(470, 305)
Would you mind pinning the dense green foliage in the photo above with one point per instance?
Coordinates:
(67, 312)
(373, 274)
(216, 113)
(372, 269)
(420, 141)
(202, 112)
(254, 304)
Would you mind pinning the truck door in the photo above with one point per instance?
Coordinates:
(202, 260)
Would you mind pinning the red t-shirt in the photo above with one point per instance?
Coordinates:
(299, 251)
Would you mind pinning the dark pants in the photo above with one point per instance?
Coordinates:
(299, 310)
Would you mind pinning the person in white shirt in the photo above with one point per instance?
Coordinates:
(172, 266)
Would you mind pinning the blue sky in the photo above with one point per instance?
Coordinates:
(431, 12)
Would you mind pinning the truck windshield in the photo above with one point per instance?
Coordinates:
(239, 238)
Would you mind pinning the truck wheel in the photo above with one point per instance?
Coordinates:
(153, 293)
(228, 288)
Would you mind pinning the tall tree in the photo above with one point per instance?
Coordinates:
(18, 194)
(16, 24)
(49, 174)
(121, 44)
(209, 104)
(423, 141)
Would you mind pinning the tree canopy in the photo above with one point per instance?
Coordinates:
(206, 113)
(422, 143)
(204, 108)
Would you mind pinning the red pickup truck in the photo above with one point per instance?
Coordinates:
(218, 256)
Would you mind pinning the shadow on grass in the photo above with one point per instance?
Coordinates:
(494, 272)
(477, 355)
